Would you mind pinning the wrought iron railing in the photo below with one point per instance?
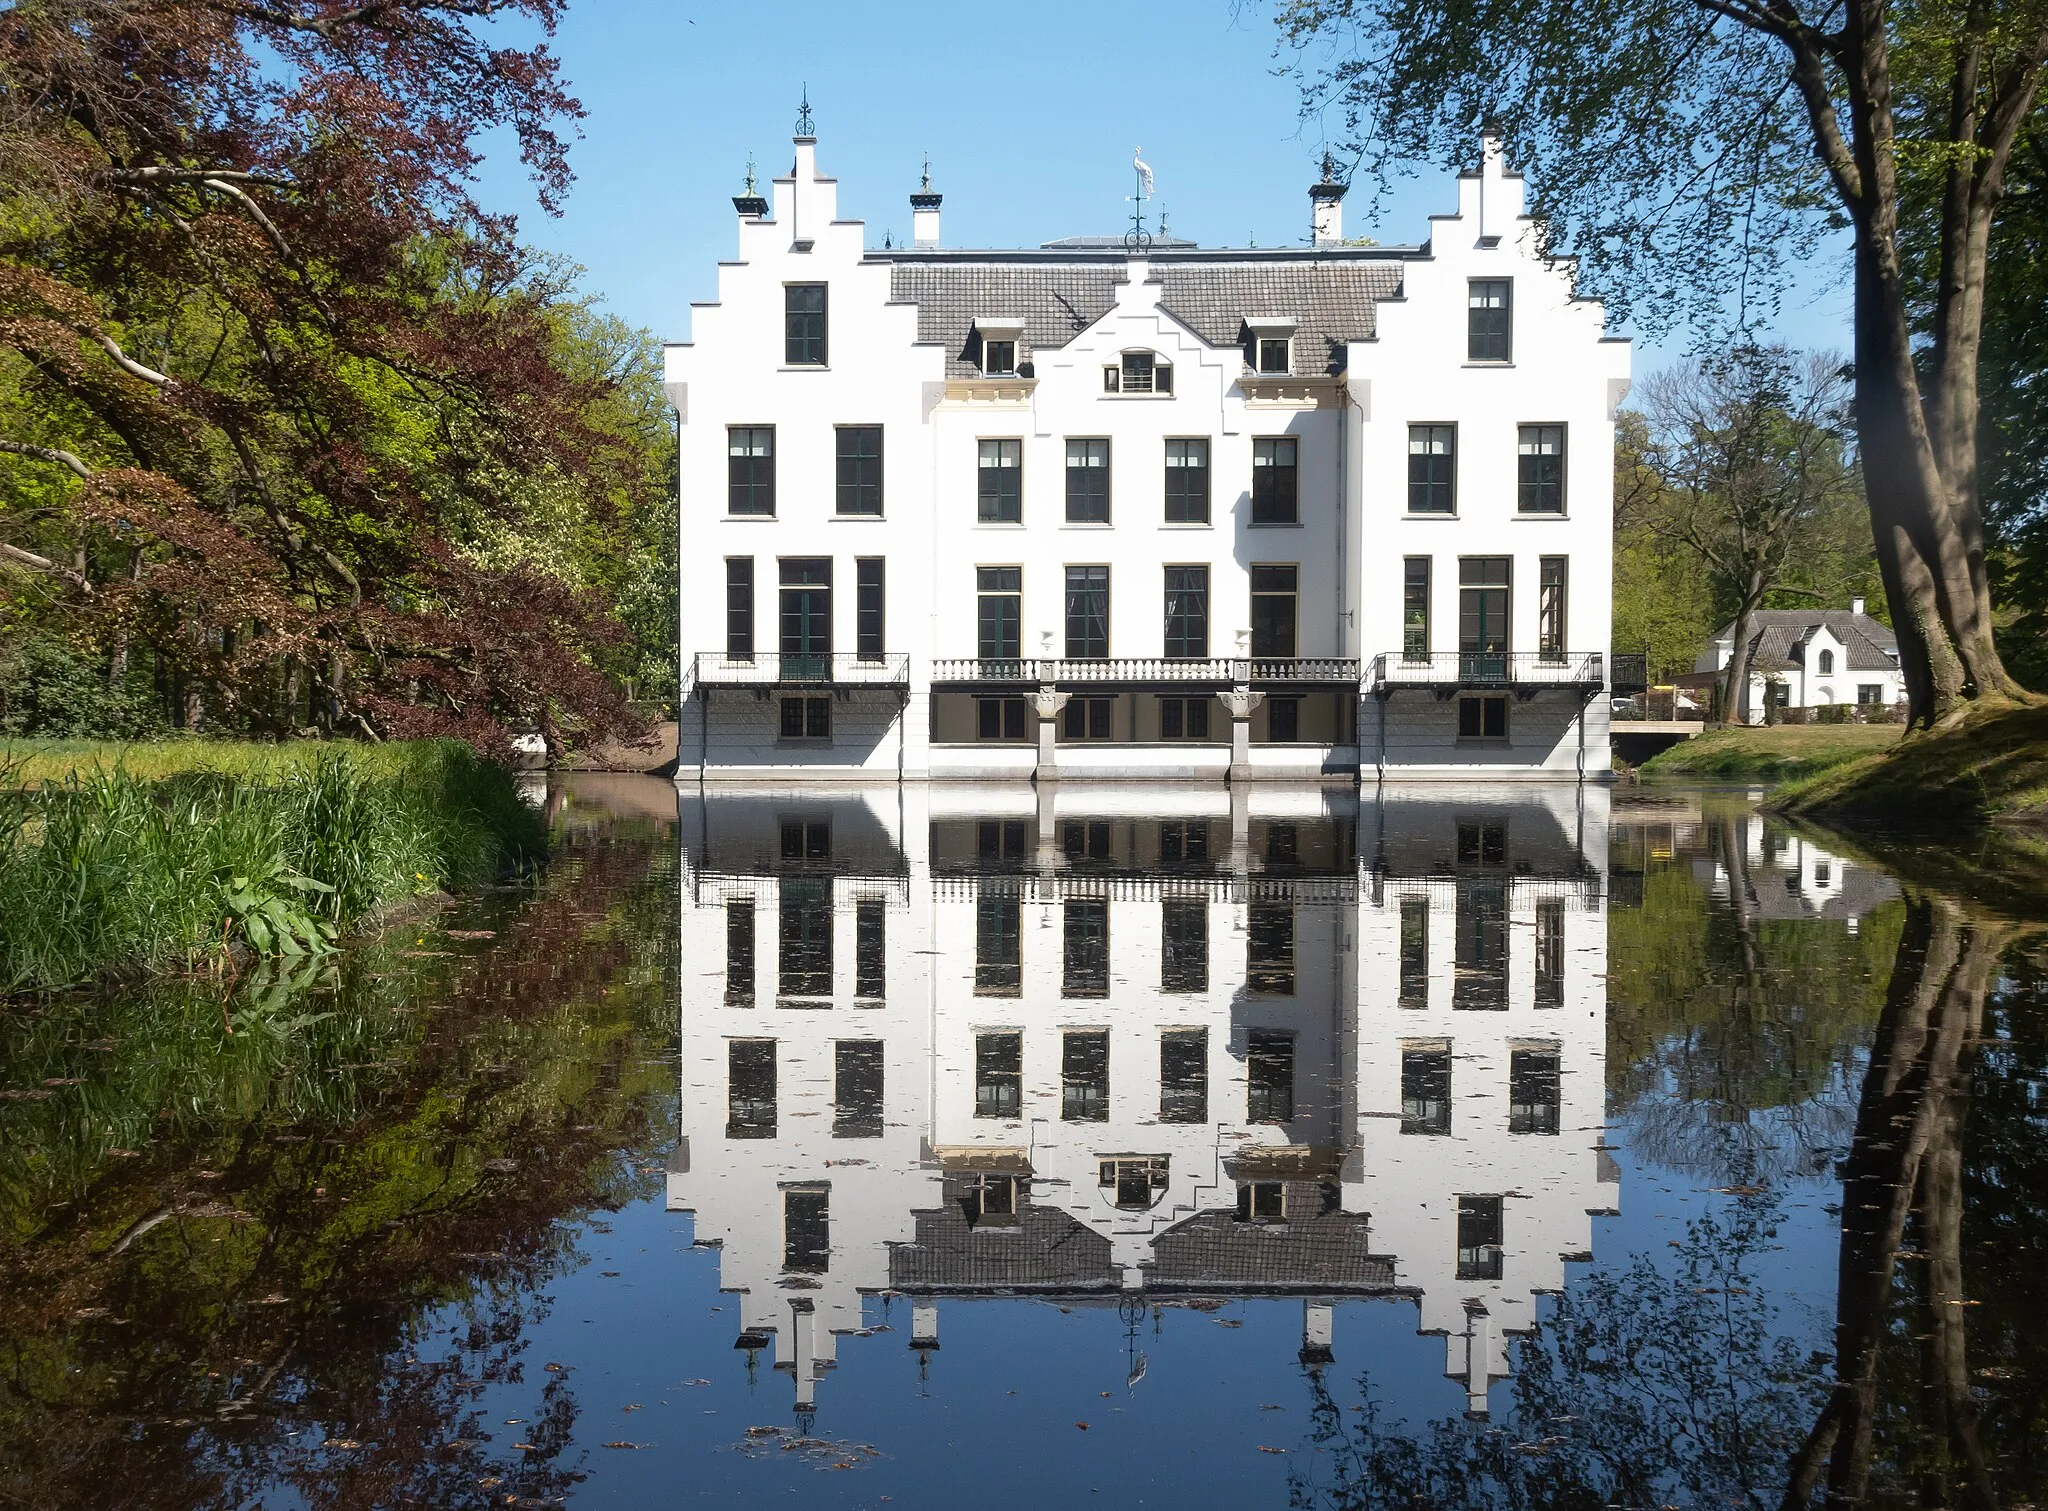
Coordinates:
(801, 669)
(1489, 669)
(1631, 674)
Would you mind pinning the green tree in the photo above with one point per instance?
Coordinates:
(1690, 151)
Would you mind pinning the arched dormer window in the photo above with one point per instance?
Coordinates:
(1139, 372)
(1827, 663)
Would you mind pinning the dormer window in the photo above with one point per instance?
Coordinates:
(1270, 351)
(999, 359)
(1137, 1181)
(1138, 372)
(1827, 663)
(1276, 354)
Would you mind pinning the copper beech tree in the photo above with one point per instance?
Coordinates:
(265, 361)
(1688, 153)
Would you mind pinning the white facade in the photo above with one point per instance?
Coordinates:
(1802, 659)
(1387, 1082)
(1315, 383)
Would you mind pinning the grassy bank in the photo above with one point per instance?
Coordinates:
(169, 857)
(1990, 768)
(1774, 753)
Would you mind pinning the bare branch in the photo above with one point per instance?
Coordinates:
(37, 563)
(255, 213)
(47, 454)
(126, 363)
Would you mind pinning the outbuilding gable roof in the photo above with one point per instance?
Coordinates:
(1867, 645)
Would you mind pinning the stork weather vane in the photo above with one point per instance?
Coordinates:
(1138, 239)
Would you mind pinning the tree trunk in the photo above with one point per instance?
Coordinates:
(1735, 675)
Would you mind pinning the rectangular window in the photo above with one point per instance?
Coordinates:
(870, 950)
(806, 840)
(1550, 608)
(1183, 718)
(750, 469)
(998, 945)
(1087, 613)
(1138, 372)
(999, 483)
(1276, 494)
(998, 1075)
(1187, 613)
(1262, 1201)
(1187, 482)
(1269, 949)
(857, 1088)
(806, 613)
(870, 619)
(1088, 482)
(1085, 963)
(1415, 609)
(1283, 845)
(739, 952)
(1534, 1090)
(1426, 1088)
(1184, 952)
(803, 324)
(1085, 839)
(1136, 1182)
(1283, 720)
(1275, 595)
(739, 608)
(1481, 980)
(1489, 321)
(1869, 693)
(999, 359)
(807, 1231)
(1084, 1077)
(999, 841)
(860, 469)
(1086, 718)
(1432, 469)
(805, 967)
(1479, 1237)
(1184, 1075)
(1275, 354)
(1539, 469)
(1550, 954)
(1184, 841)
(999, 719)
(1483, 718)
(1269, 1077)
(998, 612)
(1483, 595)
(750, 1088)
(806, 718)
(1414, 952)
(1484, 845)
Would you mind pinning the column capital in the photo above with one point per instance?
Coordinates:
(1241, 701)
(1048, 701)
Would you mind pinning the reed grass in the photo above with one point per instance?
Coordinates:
(107, 869)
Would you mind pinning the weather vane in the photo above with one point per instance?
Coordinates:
(804, 125)
(750, 176)
(1138, 239)
(927, 183)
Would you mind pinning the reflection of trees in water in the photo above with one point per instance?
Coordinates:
(1707, 1141)
(1645, 1386)
(289, 1249)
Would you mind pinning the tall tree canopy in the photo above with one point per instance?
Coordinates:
(280, 403)
(1689, 152)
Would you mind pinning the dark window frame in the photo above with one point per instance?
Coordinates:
(870, 607)
(1084, 1075)
(1187, 480)
(1490, 327)
(1416, 572)
(1539, 475)
(1187, 612)
(1433, 472)
(812, 720)
(739, 608)
(1088, 480)
(1269, 1076)
(1264, 577)
(858, 471)
(1087, 622)
(1184, 945)
(1553, 607)
(750, 474)
(999, 480)
(1184, 1075)
(1276, 480)
(999, 1074)
(805, 331)
(1183, 718)
(1481, 1237)
(1002, 717)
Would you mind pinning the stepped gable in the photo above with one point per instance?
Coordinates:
(1045, 1249)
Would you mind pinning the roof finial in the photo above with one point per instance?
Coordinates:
(927, 181)
(1329, 168)
(751, 190)
(804, 124)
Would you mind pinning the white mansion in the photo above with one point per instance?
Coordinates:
(1128, 507)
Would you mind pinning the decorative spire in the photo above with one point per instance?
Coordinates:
(926, 182)
(750, 202)
(805, 126)
(751, 190)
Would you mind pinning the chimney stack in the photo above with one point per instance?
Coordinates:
(924, 212)
(1326, 201)
(1856, 605)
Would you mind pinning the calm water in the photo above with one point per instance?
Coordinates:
(1441, 1147)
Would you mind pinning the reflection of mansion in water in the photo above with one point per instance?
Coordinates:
(1268, 1042)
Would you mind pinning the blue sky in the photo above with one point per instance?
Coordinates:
(1030, 114)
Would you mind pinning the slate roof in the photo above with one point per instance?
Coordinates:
(1046, 1250)
(1057, 293)
(1214, 1251)
(1780, 636)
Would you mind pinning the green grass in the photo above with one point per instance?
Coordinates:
(1774, 753)
(1990, 767)
(106, 869)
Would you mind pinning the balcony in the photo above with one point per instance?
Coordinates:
(800, 669)
(1447, 672)
(1214, 671)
